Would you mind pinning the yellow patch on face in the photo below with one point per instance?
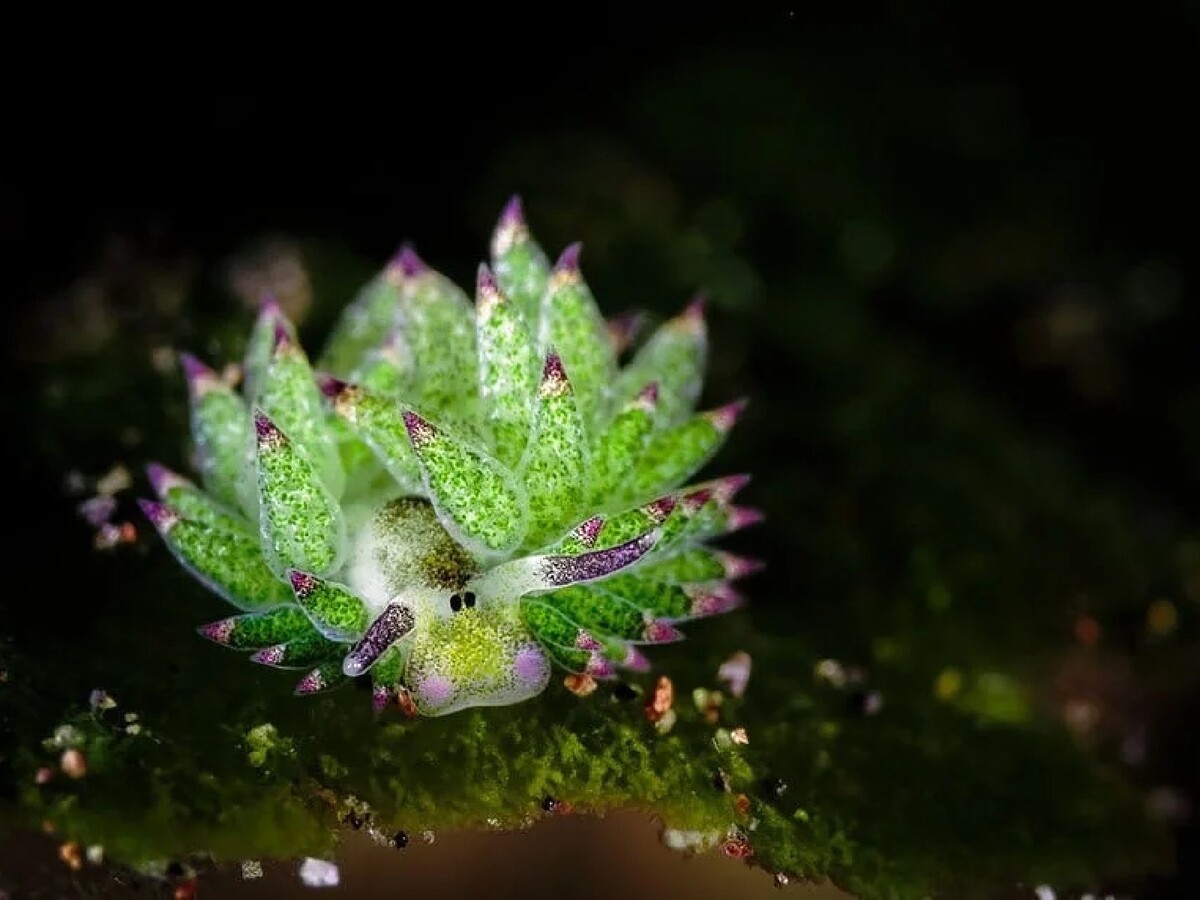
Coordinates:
(470, 658)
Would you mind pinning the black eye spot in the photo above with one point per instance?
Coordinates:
(455, 602)
(469, 599)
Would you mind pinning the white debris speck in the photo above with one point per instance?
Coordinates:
(428, 836)
(95, 854)
(1044, 892)
(677, 839)
(667, 722)
(252, 869)
(831, 670)
(319, 873)
(114, 481)
(66, 736)
(734, 673)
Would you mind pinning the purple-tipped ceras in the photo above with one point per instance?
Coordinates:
(463, 492)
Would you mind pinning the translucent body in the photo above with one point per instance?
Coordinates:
(457, 496)
(475, 655)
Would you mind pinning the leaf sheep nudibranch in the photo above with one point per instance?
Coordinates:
(454, 499)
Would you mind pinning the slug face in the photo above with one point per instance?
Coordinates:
(460, 649)
(479, 656)
(461, 494)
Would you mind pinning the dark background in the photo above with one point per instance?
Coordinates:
(371, 136)
(1010, 153)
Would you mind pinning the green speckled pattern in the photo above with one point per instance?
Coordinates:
(229, 563)
(520, 264)
(627, 525)
(290, 397)
(619, 446)
(672, 456)
(197, 506)
(331, 607)
(695, 564)
(388, 370)
(674, 357)
(450, 505)
(478, 499)
(254, 631)
(364, 324)
(658, 598)
(438, 323)
(508, 370)
(556, 460)
(379, 423)
(599, 612)
(301, 523)
(571, 324)
(471, 659)
(221, 432)
(298, 652)
(389, 668)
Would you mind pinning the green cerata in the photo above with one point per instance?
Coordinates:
(459, 497)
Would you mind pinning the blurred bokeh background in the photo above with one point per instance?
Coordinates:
(950, 255)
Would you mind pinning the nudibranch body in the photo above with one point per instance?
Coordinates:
(458, 500)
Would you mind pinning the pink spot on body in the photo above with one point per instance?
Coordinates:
(436, 690)
(530, 666)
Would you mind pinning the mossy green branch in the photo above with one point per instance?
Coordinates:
(915, 799)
